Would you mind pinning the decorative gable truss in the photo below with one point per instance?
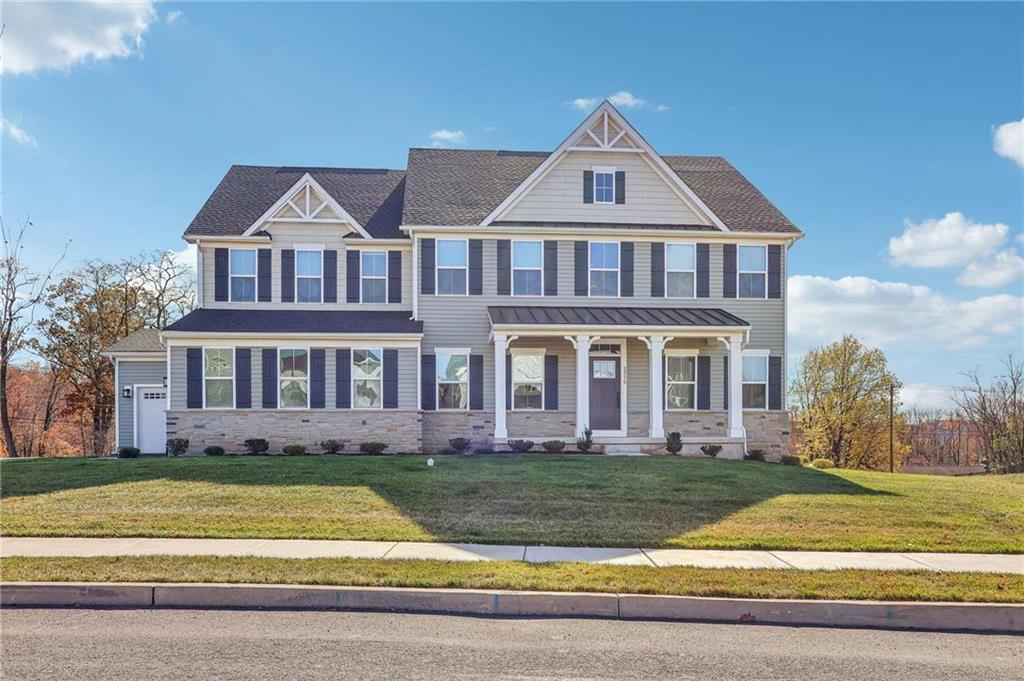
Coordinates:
(307, 202)
(604, 134)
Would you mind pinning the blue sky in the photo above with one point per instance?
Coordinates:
(862, 122)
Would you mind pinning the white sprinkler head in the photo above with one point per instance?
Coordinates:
(430, 463)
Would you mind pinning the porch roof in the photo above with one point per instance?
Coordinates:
(647, 317)
(209, 320)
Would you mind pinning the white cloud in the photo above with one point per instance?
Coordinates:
(59, 35)
(16, 133)
(1001, 269)
(1008, 141)
(662, 108)
(186, 256)
(928, 397)
(584, 104)
(440, 138)
(173, 16)
(894, 313)
(623, 99)
(953, 240)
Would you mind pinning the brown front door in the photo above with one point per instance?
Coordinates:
(605, 398)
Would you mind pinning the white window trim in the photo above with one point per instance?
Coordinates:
(668, 270)
(352, 387)
(519, 352)
(512, 257)
(755, 353)
(618, 270)
(309, 248)
(308, 379)
(438, 268)
(233, 394)
(255, 277)
(386, 277)
(740, 271)
(681, 352)
(438, 382)
(604, 170)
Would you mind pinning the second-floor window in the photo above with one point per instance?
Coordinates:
(309, 270)
(243, 275)
(293, 378)
(755, 381)
(219, 378)
(452, 270)
(367, 378)
(604, 268)
(452, 380)
(374, 273)
(527, 267)
(752, 271)
(680, 270)
(604, 185)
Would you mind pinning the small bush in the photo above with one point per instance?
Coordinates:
(176, 446)
(520, 446)
(460, 444)
(804, 461)
(789, 460)
(673, 442)
(214, 450)
(711, 450)
(823, 463)
(373, 448)
(294, 450)
(585, 443)
(754, 455)
(332, 446)
(256, 446)
(128, 452)
(553, 446)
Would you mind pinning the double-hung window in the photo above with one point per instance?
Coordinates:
(528, 380)
(604, 268)
(367, 378)
(452, 380)
(309, 271)
(243, 275)
(755, 381)
(293, 378)
(527, 267)
(452, 268)
(374, 274)
(752, 271)
(680, 270)
(680, 381)
(219, 378)
(604, 185)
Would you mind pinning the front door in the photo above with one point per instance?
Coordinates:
(605, 395)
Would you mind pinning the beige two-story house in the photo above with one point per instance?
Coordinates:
(493, 295)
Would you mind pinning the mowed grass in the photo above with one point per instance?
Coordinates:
(681, 581)
(535, 499)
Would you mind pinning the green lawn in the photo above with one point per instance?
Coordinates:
(538, 499)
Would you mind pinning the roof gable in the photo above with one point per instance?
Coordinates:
(307, 202)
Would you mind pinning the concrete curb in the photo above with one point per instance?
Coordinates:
(976, 617)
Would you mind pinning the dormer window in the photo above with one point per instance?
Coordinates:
(604, 185)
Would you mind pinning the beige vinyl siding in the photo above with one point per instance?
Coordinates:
(134, 373)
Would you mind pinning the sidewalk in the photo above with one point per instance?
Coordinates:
(311, 548)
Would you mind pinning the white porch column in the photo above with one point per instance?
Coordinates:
(657, 348)
(736, 387)
(582, 383)
(500, 350)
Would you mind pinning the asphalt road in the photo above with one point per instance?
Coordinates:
(166, 644)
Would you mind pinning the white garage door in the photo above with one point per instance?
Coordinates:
(152, 423)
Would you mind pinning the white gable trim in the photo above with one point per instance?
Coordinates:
(307, 179)
(605, 111)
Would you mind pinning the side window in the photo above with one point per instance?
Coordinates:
(680, 270)
(528, 381)
(452, 269)
(309, 269)
(367, 378)
(243, 275)
(527, 267)
(219, 378)
(452, 380)
(755, 381)
(752, 271)
(293, 378)
(604, 269)
(374, 273)
(604, 186)
(680, 382)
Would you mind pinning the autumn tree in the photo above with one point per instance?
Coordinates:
(168, 287)
(996, 413)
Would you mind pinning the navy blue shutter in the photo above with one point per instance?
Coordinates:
(775, 382)
(704, 382)
(729, 271)
(504, 247)
(427, 267)
(391, 378)
(703, 270)
(194, 378)
(476, 382)
(270, 378)
(582, 269)
(394, 276)
(343, 378)
(508, 381)
(287, 276)
(317, 378)
(266, 270)
(476, 267)
(220, 274)
(551, 268)
(352, 269)
(551, 382)
(626, 269)
(657, 269)
(330, 276)
(774, 271)
(725, 385)
(243, 378)
(620, 186)
(428, 381)
(588, 186)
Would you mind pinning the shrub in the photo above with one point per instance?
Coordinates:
(711, 450)
(256, 446)
(789, 460)
(128, 452)
(804, 461)
(520, 446)
(373, 448)
(176, 446)
(673, 442)
(823, 463)
(460, 444)
(553, 446)
(214, 450)
(294, 450)
(585, 443)
(754, 455)
(332, 446)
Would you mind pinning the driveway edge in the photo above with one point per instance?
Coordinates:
(975, 617)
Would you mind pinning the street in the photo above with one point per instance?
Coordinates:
(165, 644)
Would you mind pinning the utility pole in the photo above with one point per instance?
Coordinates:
(891, 392)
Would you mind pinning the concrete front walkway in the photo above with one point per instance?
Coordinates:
(313, 548)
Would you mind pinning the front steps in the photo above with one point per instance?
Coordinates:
(624, 449)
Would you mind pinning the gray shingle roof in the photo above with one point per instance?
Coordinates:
(612, 316)
(143, 340)
(296, 321)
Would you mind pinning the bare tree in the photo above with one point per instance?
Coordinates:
(996, 413)
(168, 288)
